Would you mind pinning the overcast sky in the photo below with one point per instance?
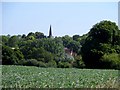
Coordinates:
(66, 18)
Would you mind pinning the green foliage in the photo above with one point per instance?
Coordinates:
(78, 62)
(74, 46)
(66, 40)
(101, 40)
(31, 62)
(106, 48)
(117, 39)
(34, 62)
(41, 64)
(36, 35)
(80, 39)
(102, 32)
(117, 48)
(40, 54)
(64, 65)
(73, 43)
(54, 46)
(39, 50)
(18, 54)
(34, 77)
(13, 41)
(10, 56)
(31, 38)
(51, 63)
(39, 35)
(111, 60)
(5, 40)
(23, 36)
(76, 37)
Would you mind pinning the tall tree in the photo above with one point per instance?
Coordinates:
(100, 36)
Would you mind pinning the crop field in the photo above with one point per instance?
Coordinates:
(36, 77)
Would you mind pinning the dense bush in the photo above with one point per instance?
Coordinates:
(41, 64)
(64, 65)
(78, 62)
(31, 62)
(111, 61)
(34, 62)
(52, 63)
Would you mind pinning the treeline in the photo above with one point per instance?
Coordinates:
(99, 48)
(36, 49)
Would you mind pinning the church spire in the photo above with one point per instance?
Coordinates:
(50, 32)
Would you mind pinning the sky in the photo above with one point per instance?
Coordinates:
(66, 18)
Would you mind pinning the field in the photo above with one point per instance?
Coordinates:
(35, 77)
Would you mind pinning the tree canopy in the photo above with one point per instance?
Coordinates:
(99, 48)
(100, 43)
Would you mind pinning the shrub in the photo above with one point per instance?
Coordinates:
(64, 65)
(78, 63)
(31, 62)
(111, 61)
(51, 63)
(117, 48)
(41, 64)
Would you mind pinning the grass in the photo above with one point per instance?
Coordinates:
(36, 77)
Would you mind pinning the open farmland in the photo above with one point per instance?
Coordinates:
(36, 77)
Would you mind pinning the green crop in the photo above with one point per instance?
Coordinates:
(36, 77)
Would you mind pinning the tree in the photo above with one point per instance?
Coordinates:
(36, 35)
(55, 46)
(39, 35)
(13, 41)
(5, 40)
(99, 42)
(104, 31)
(30, 34)
(32, 50)
(82, 39)
(23, 36)
(74, 46)
(76, 37)
(18, 54)
(31, 38)
(10, 56)
(66, 40)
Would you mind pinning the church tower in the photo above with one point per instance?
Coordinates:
(50, 33)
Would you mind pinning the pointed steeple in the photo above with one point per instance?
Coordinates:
(50, 32)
